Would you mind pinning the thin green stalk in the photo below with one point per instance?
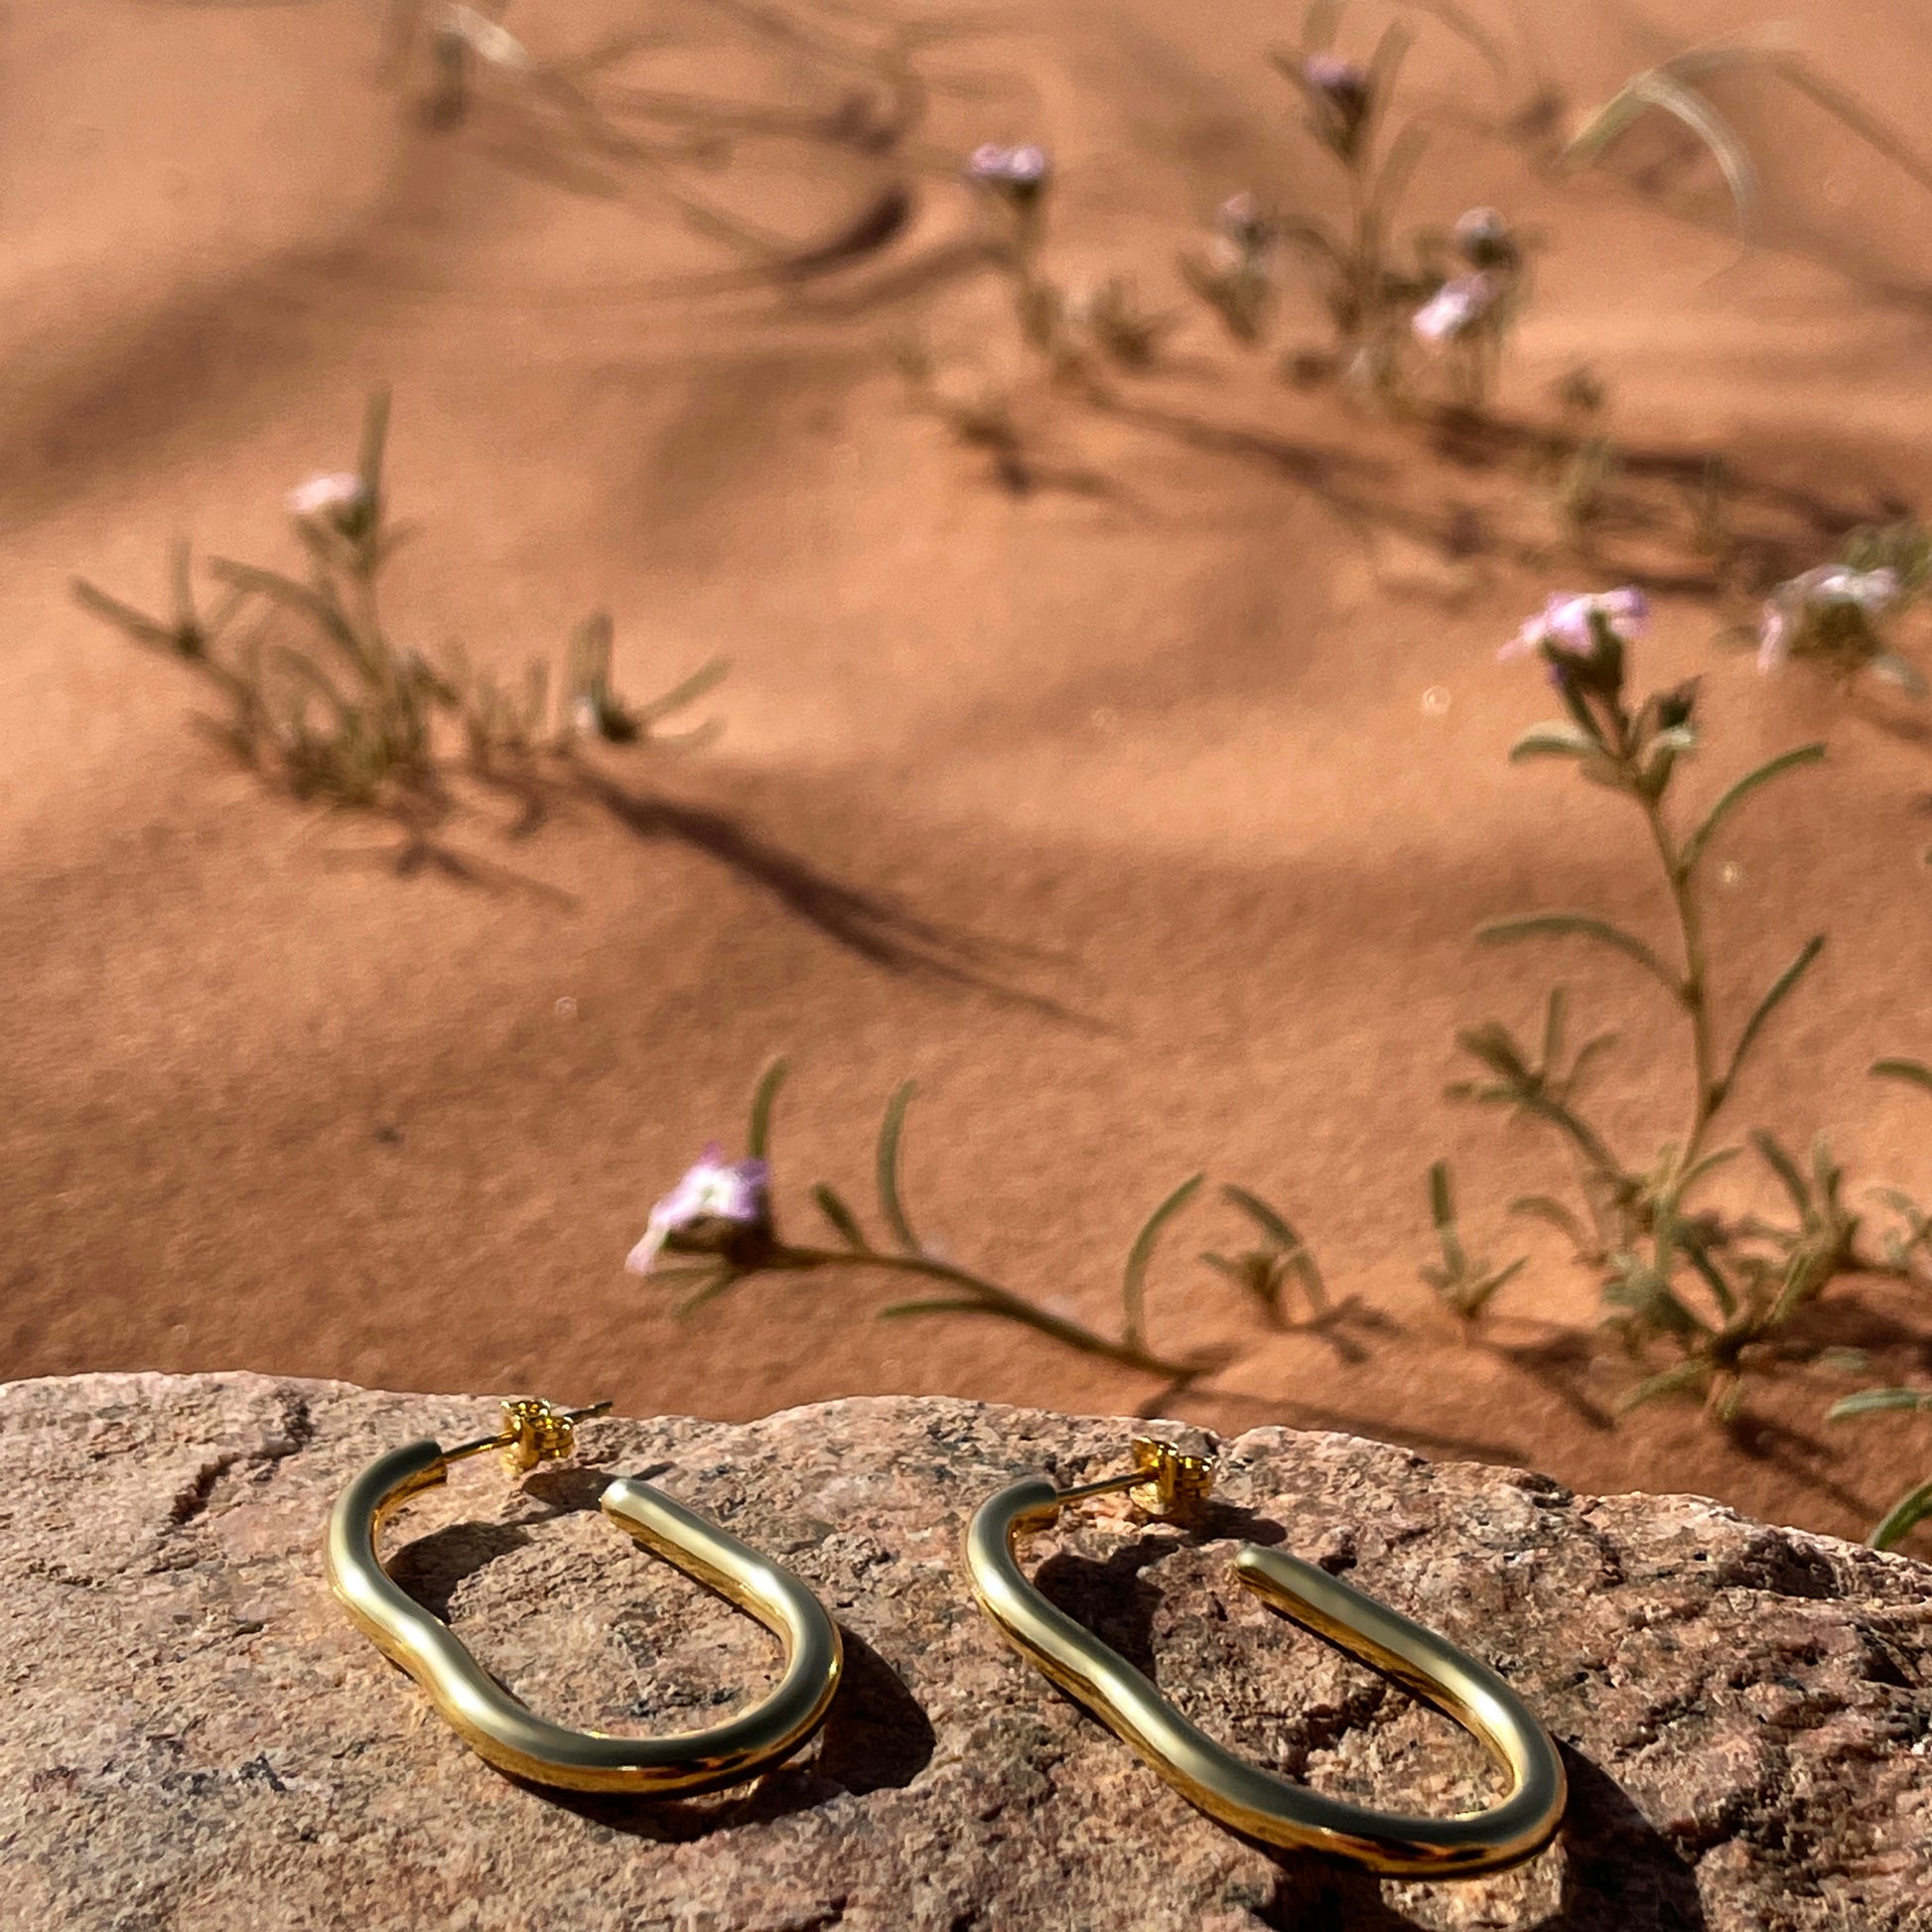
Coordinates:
(1692, 993)
(1003, 1300)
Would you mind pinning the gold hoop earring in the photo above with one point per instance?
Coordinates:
(1258, 1803)
(507, 1733)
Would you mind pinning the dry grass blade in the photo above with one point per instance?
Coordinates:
(1661, 89)
(1670, 89)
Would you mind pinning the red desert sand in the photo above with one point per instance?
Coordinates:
(1191, 758)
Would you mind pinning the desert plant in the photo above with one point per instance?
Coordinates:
(1017, 183)
(1112, 319)
(1579, 461)
(1465, 1285)
(1721, 1292)
(322, 701)
(1916, 1505)
(1838, 617)
(1471, 310)
(977, 411)
(1904, 1248)
(1236, 273)
(720, 1216)
(1353, 263)
(1279, 1260)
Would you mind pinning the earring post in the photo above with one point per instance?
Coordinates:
(1106, 1486)
(559, 1421)
(1175, 1484)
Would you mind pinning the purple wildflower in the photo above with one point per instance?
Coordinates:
(1334, 77)
(1020, 171)
(339, 496)
(1793, 602)
(1774, 638)
(1566, 623)
(1342, 93)
(1454, 309)
(715, 1189)
(485, 38)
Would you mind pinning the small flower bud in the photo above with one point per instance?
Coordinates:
(713, 1209)
(1485, 241)
(1017, 174)
(1240, 220)
(341, 498)
(1343, 94)
(487, 41)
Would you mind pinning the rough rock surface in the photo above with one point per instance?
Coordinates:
(195, 1738)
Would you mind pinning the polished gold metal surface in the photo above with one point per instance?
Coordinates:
(512, 1735)
(1237, 1793)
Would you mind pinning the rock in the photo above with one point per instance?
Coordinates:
(197, 1739)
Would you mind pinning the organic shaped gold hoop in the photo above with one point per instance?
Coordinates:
(1170, 1484)
(509, 1734)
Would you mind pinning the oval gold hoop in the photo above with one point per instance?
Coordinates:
(507, 1733)
(1252, 1801)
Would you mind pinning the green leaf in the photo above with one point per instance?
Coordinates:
(1496, 1047)
(891, 1130)
(1871, 1401)
(1677, 1380)
(143, 628)
(1268, 1220)
(306, 672)
(375, 436)
(1319, 24)
(1546, 1207)
(1134, 1277)
(1552, 741)
(285, 591)
(844, 1222)
(1397, 166)
(758, 1135)
(1441, 1209)
(1904, 1516)
(1786, 1169)
(1712, 1162)
(679, 695)
(1483, 1291)
(1694, 847)
(1694, 1252)
(1302, 1260)
(1557, 925)
(1588, 1055)
(1916, 1071)
(1553, 1013)
(1780, 988)
(950, 1304)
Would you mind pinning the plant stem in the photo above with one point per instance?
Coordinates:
(1693, 992)
(1002, 1301)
